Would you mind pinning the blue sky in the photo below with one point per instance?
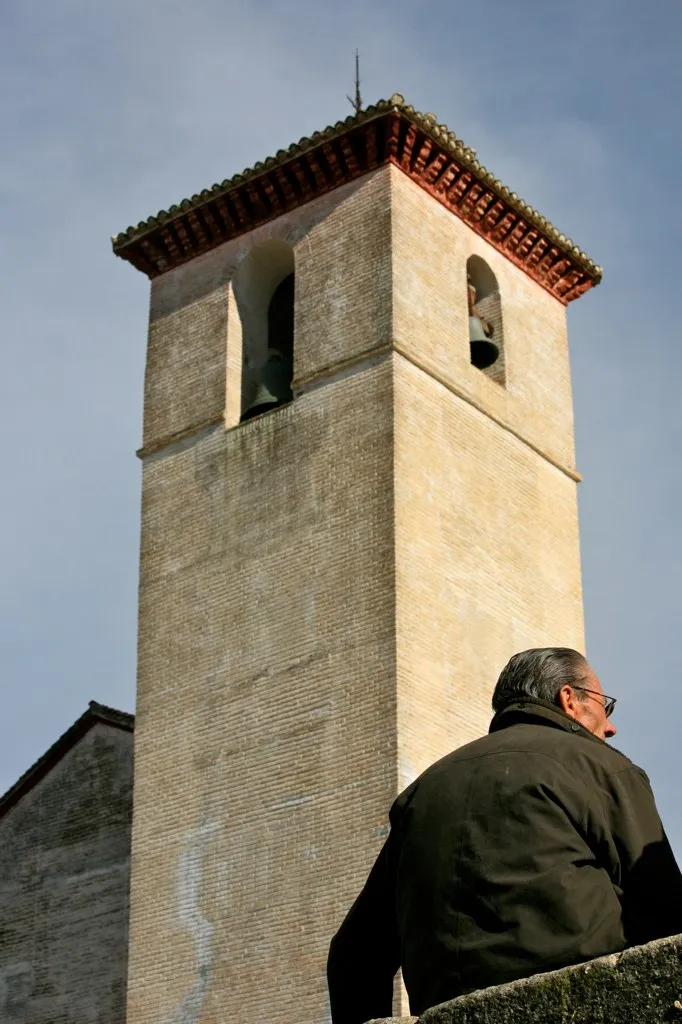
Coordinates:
(109, 112)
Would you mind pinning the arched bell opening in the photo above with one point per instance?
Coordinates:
(486, 341)
(264, 294)
(276, 373)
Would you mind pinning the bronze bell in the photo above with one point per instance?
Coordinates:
(484, 351)
(274, 386)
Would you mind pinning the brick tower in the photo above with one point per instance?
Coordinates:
(332, 575)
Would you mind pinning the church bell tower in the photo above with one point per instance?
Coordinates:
(359, 499)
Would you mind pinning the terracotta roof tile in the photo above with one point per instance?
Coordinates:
(389, 131)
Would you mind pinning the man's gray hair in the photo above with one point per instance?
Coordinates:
(539, 672)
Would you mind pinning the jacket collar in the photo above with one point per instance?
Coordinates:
(534, 710)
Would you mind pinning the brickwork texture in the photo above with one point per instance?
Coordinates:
(327, 592)
(64, 877)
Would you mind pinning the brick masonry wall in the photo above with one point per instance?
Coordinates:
(430, 247)
(194, 316)
(64, 874)
(328, 592)
(487, 555)
(265, 728)
(487, 545)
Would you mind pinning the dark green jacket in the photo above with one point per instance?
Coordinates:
(535, 847)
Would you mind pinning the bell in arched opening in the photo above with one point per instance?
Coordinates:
(484, 351)
(274, 385)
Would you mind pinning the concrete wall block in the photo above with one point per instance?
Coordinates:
(643, 984)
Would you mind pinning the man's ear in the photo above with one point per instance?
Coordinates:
(567, 701)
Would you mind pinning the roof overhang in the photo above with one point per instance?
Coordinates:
(390, 132)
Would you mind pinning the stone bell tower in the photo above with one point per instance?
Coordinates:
(359, 499)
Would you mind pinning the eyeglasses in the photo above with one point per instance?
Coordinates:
(609, 702)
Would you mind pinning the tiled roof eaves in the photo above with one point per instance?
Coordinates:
(565, 259)
(95, 713)
(282, 157)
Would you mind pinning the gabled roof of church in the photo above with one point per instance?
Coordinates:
(389, 132)
(95, 713)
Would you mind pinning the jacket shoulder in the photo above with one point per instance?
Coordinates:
(571, 752)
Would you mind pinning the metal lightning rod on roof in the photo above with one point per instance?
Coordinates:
(357, 102)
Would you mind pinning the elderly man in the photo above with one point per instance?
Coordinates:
(535, 847)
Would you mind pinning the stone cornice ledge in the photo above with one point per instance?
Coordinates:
(642, 985)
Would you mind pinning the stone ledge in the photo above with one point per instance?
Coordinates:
(642, 985)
